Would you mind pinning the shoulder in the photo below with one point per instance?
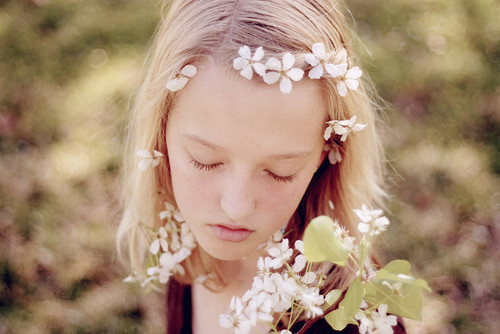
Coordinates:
(321, 326)
(317, 326)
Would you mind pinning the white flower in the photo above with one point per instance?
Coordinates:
(235, 320)
(283, 72)
(161, 240)
(171, 212)
(311, 300)
(148, 160)
(371, 221)
(247, 63)
(182, 78)
(367, 215)
(172, 244)
(264, 264)
(280, 254)
(260, 308)
(349, 79)
(342, 128)
(187, 237)
(317, 59)
(285, 331)
(376, 322)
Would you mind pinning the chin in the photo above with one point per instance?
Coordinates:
(229, 252)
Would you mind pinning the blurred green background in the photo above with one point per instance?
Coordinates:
(68, 70)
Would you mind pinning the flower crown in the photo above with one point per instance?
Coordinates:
(282, 71)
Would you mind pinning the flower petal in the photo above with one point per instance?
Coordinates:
(247, 72)
(259, 54)
(177, 83)
(259, 68)
(328, 133)
(336, 70)
(189, 71)
(154, 163)
(300, 263)
(164, 245)
(311, 59)
(157, 154)
(354, 73)
(285, 85)
(271, 77)
(245, 52)
(334, 156)
(316, 72)
(240, 63)
(299, 245)
(295, 74)
(352, 84)
(144, 153)
(273, 64)
(155, 246)
(342, 89)
(363, 227)
(319, 50)
(288, 61)
(358, 127)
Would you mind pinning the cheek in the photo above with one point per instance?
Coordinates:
(193, 193)
(281, 201)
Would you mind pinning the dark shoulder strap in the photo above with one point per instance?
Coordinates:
(178, 310)
(321, 326)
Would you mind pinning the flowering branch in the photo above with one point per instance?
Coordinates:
(372, 301)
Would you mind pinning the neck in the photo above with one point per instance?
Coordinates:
(238, 272)
(238, 276)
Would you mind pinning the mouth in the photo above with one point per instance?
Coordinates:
(226, 233)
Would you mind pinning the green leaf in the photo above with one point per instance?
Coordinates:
(348, 307)
(405, 296)
(333, 296)
(321, 244)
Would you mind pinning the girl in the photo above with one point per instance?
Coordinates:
(229, 126)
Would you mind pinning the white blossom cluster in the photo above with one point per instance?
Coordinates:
(375, 321)
(371, 221)
(182, 78)
(148, 159)
(277, 288)
(172, 244)
(274, 70)
(341, 128)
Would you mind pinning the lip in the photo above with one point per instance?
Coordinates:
(232, 234)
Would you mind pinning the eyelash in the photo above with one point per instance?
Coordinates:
(282, 178)
(204, 167)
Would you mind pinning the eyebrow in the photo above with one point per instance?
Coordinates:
(215, 147)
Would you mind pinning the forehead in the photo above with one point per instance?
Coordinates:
(219, 102)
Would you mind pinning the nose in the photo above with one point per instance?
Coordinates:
(237, 200)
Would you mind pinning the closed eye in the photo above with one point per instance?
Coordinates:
(278, 178)
(205, 167)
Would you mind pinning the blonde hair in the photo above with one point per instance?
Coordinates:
(195, 29)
